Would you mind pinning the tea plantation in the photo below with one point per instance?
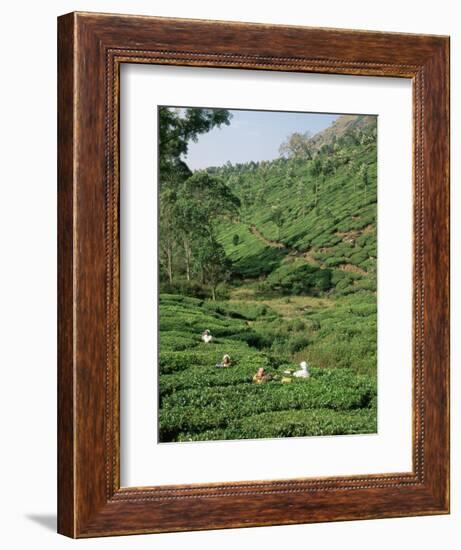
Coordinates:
(298, 284)
(200, 402)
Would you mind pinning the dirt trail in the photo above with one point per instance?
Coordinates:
(273, 244)
(309, 255)
(351, 268)
(351, 236)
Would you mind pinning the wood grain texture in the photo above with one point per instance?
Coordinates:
(91, 49)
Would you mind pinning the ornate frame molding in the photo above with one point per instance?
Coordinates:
(91, 49)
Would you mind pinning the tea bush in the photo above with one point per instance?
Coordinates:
(199, 409)
(299, 279)
(300, 423)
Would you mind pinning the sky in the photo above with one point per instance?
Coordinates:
(252, 135)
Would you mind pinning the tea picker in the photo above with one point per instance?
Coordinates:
(226, 362)
(206, 336)
(303, 372)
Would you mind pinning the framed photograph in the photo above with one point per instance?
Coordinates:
(253, 277)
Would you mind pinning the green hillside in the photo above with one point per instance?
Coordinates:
(328, 214)
(294, 251)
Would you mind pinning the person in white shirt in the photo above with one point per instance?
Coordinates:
(206, 336)
(303, 372)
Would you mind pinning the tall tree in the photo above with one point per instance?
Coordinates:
(215, 264)
(202, 202)
(177, 128)
(316, 167)
(168, 231)
(277, 217)
(297, 146)
(363, 175)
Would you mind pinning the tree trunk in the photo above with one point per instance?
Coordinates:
(187, 253)
(213, 293)
(170, 264)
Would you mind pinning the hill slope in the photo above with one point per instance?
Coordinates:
(302, 287)
(321, 211)
(341, 126)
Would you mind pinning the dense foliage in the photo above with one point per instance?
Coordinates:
(278, 260)
(199, 402)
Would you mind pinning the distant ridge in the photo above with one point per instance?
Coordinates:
(341, 126)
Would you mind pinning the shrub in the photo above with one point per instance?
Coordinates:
(240, 310)
(296, 325)
(301, 279)
(358, 258)
(199, 408)
(186, 288)
(297, 343)
(291, 424)
(177, 341)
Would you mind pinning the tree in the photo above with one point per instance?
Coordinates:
(317, 184)
(177, 128)
(297, 146)
(326, 149)
(363, 175)
(277, 217)
(353, 170)
(215, 264)
(328, 167)
(190, 204)
(342, 157)
(204, 197)
(316, 167)
(201, 202)
(351, 137)
(247, 197)
(301, 191)
(168, 231)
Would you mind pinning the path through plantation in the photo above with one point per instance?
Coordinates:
(294, 253)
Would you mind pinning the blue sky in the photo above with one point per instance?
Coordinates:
(252, 135)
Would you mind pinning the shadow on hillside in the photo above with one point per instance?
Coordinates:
(262, 263)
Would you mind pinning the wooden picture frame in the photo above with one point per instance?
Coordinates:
(91, 49)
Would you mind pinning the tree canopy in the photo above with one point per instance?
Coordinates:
(297, 145)
(190, 204)
(177, 128)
